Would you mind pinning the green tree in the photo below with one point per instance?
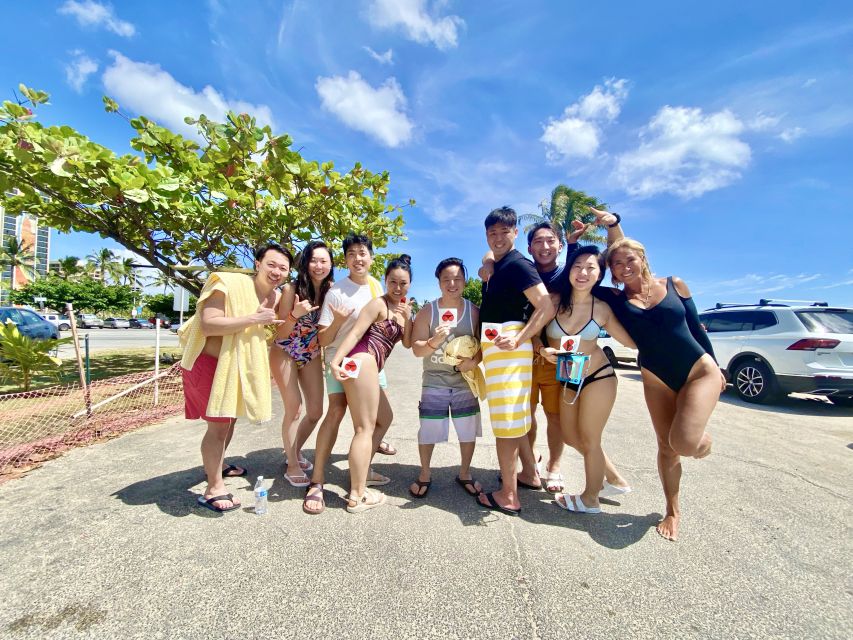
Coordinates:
(176, 202)
(86, 294)
(565, 206)
(164, 302)
(21, 357)
(473, 291)
(161, 279)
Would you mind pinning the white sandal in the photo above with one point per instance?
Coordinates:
(357, 505)
(553, 482)
(610, 491)
(574, 504)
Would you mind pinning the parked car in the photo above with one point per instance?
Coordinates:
(774, 348)
(89, 321)
(63, 323)
(117, 323)
(165, 323)
(29, 323)
(614, 350)
(140, 323)
(176, 324)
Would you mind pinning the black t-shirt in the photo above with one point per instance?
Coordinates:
(503, 294)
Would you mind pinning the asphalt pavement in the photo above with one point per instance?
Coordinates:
(108, 541)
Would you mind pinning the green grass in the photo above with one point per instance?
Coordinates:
(102, 364)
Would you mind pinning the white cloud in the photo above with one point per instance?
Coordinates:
(91, 14)
(415, 20)
(378, 112)
(147, 89)
(763, 121)
(78, 70)
(808, 83)
(792, 133)
(760, 284)
(381, 58)
(685, 152)
(578, 132)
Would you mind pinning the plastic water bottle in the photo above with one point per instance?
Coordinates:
(260, 497)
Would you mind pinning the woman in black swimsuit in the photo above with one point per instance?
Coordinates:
(681, 379)
(584, 411)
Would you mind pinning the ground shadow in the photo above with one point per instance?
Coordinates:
(177, 493)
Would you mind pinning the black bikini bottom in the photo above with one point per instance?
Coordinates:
(592, 377)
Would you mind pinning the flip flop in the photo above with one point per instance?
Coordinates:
(494, 506)
(317, 497)
(304, 464)
(469, 483)
(297, 483)
(574, 504)
(386, 449)
(230, 471)
(361, 504)
(208, 503)
(421, 485)
(610, 491)
(553, 482)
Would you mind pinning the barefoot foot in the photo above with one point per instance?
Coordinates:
(668, 528)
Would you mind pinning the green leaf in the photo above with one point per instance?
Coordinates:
(136, 195)
(110, 105)
(59, 167)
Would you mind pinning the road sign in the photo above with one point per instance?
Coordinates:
(181, 300)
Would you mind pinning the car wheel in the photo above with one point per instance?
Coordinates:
(64, 327)
(754, 382)
(842, 401)
(611, 357)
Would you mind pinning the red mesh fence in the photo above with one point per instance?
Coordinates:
(38, 425)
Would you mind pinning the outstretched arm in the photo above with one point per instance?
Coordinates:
(606, 219)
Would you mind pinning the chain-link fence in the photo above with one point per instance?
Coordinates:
(39, 425)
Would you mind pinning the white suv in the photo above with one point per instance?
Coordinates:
(770, 349)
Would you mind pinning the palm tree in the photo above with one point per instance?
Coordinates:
(103, 261)
(69, 266)
(18, 256)
(125, 271)
(160, 279)
(566, 205)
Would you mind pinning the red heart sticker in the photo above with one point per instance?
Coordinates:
(403, 300)
(448, 316)
(350, 366)
(570, 344)
(491, 334)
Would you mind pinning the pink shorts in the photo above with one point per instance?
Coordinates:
(197, 384)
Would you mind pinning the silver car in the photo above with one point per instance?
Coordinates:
(771, 349)
(117, 323)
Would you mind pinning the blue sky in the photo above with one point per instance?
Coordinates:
(721, 132)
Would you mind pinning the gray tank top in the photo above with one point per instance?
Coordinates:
(437, 373)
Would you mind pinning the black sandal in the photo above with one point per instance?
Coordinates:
(469, 483)
(421, 485)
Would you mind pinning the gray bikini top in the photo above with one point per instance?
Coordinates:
(590, 330)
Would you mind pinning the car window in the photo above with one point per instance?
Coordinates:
(762, 319)
(827, 320)
(11, 314)
(727, 322)
(29, 318)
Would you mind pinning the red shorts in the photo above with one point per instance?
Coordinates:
(197, 384)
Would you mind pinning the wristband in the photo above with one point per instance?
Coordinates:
(618, 220)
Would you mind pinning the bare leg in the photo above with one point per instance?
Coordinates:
(507, 450)
(528, 472)
(695, 402)
(425, 451)
(661, 401)
(285, 373)
(327, 434)
(384, 418)
(213, 446)
(363, 399)
(311, 383)
(555, 442)
(596, 402)
(466, 451)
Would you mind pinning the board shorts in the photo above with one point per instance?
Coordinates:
(333, 385)
(197, 384)
(546, 388)
(509, 377)
(438, 405)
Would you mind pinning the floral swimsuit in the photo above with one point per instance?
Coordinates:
(302, 344)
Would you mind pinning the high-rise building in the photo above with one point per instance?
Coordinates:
(29, 233)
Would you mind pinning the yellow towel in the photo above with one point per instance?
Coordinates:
(467, 347)
(241, 385)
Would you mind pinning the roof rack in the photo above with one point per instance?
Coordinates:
(768, 301)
